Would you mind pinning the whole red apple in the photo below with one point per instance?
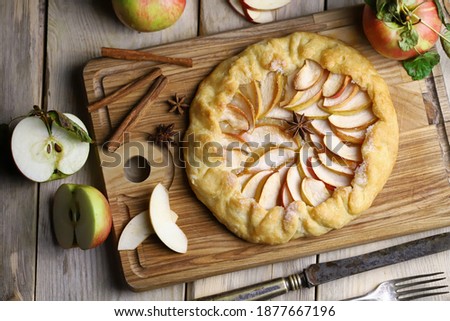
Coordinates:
(389, 32)
(148, 15)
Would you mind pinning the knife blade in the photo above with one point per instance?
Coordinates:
(321, 273)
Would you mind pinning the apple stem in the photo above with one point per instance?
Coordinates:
(432, 29)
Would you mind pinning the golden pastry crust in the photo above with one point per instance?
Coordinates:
(218, 186)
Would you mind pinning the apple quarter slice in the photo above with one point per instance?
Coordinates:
(314, 191)
(335, 145)
(264, 4)
(161, 218)
(270, 191)
(360, 120)
(137, 230)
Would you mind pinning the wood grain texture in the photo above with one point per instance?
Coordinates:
(20, 88)
(419, 180)
(76, 32)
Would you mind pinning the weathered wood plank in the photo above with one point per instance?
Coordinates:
(76, 31)
(21, 70)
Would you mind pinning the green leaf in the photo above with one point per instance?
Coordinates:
(65, 122)
(445, 42)
(408, 39)
(421, 66)
(388, 11)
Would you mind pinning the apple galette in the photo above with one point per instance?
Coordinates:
(293, 137)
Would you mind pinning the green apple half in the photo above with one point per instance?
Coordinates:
(42, 156)
(81, 216)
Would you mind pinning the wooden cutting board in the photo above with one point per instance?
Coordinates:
(416, 197)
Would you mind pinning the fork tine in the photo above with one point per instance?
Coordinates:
(416, 277)
(407, 285)
(423, 295)
(400, 293)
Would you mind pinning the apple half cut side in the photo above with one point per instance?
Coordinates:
(161, 218)
(81, 216)
(138, 230)
(41, 156)
(264, 4)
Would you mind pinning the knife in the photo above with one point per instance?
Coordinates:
(321, 273)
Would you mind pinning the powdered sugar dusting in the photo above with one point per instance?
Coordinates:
(277, 65)
(361, 174)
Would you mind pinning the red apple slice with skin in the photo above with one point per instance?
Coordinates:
(293, 181)
(285, 196)
(334, 166)
(357, 121)
(329, 176)
(349, 92)
(138, 230)
(314, 192)
(353, 105)
(310, 95)
(308, 75)
(257, 16)
(351, 136)
(264, 4)
(161, 218)
(253, 186)
(237, 6)
(270, 191)
(338, 147)
(335, 84)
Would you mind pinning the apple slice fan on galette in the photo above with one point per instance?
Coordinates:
(293, 137)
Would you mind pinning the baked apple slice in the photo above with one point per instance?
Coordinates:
(357, 121)
(335, 145)
(329, 176)
(308, 75)
(269, 194)
(314, 191)
(335, 84)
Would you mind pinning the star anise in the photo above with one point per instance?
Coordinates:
(178, 104)
(164, 134)
(299, 125)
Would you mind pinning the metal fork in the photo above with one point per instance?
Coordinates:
(402, 290)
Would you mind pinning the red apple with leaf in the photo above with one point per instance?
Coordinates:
(406, 30)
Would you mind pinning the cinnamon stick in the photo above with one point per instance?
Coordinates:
(127, 54)
(133, 116)
(125, 90)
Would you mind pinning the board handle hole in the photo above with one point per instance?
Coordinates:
(137, 169)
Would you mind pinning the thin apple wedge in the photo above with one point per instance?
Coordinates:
(160, 216)
(253, 93)
(335, 145)
(353, 105)
(270, 191)
(285, 196)
(243, 103)
(321, 127)
(252, 188)
(237, 6)
(293, 181)
(271, 159)
(291, 94)
(306, 152)
(308, 75)
(314, 111)
(309, 96)
(314, 192)
(270, 135)
(271, 91)
(334, 166)
(336, 102)
(358, 121)
(351, 136)
(264, 4)
(335, 85)
(138, 230)
(329, 176)
(233, 120)
(278, 112)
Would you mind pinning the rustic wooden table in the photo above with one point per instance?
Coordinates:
(45, 45)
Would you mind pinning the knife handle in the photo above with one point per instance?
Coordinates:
(261, 291)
